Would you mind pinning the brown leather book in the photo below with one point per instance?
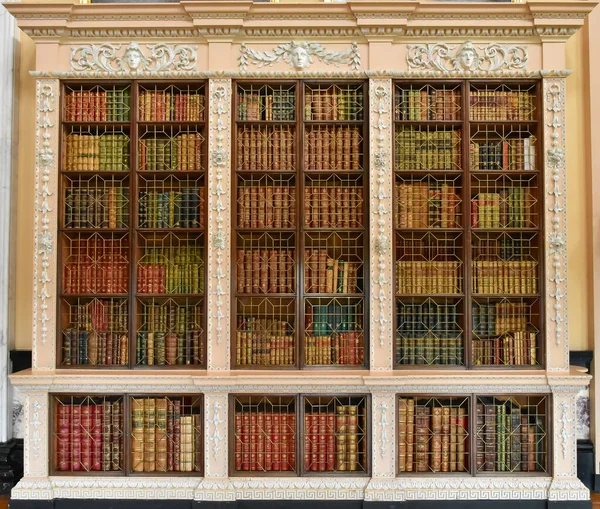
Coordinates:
(137, 434)
(161, 435)
(422, 448)
(436, 439)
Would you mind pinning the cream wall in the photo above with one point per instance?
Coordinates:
(578, 196)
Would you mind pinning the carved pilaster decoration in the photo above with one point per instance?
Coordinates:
(565, 485)
(383, 453)
(466, 58)
(380, 188)
(299, 55)
(555, 181)
(219, 224)
(36, 435)
(133, 60)
(45, 224)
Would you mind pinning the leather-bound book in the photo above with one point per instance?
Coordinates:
(176, 435)
(150, 435)
(96, 437)
(341, 433)
(445, 439)
(86, 437)
(422, 448)
(402, 427)
(161, 435)
(63, 434)
(137, 434)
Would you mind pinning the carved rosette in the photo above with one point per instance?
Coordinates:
(381, 186)
(45, 224)
(555, 181)
(383, 451)
(219, 224)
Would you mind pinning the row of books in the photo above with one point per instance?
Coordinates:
(335, 441)
(427, 205)
(181, 208)
(333, 103)
(333, 148)
(171, 317)
(265, 149)
(91, 348)
(165, 437)
(265, 271)
(427, 319)
(490, 320)
(432, 438)
(325, 320)
(97, 207)
(163, 106)
(502, 247)
(509, 439)
(274, 105)
(89, 437)
(177, 270)
(265, 441)
(340, 348)
(512, 349)
(172, 349)
(515, 154)
(510, 208)
(333, 207)
(106, 275)
(428, 277)
(100, 315)
(491, 105)
(505, 277)
(97, 105)
(427, 104)
(264, 342)
(102, 152)
(266, 207)
(325, 274)
(418, 149)
(430, 350)
(182, 152)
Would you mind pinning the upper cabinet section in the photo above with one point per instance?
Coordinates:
(242, 38)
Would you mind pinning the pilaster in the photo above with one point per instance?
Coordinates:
(219, 225)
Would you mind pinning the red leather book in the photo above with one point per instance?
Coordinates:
(86, 438)
(276, 439)
(176, 435)
(245, 441)
(322, 441)
(284, 433)
(76, 437)
(314, 439)
(260, 442)
(269, 442)
(307, 441)
(291, 420)
(63, 433)
(238, 441)
(96, 436)
(253, 442)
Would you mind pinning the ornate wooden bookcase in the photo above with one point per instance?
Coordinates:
(448, 229)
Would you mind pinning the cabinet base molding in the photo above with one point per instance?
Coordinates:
(270, 493)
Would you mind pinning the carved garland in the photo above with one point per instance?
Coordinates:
(220, 97)
(216, 415)
(381, 208)
(299, 55)
(43, 233)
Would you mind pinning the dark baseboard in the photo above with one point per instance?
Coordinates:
(295, 504)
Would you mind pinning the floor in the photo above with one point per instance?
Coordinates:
(596, 500)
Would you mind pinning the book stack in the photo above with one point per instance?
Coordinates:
(428, 150)
(89, 437)
(265, 441)
(428, 277)
(511, 349)
(509, 439)
(275, 105)
(334, 148)
(333, 207)
(170, 335)
(97, 105)
(512, 208)
(332, 335)
(500, 277)
(432, 437)
(264, 342)
(165, 436)
(428, 104)
(97, 265)
(266, 207)
(515, 154)
(333, 103)
(329, 275)
(104, 152)
(427, 205)
(493, 105)
(265, 148)
(265, 271)
(181, 208)
(182, 152)
(97, 207)
(428, 333)
(173, 269)
(331, 440)
(166, 106)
